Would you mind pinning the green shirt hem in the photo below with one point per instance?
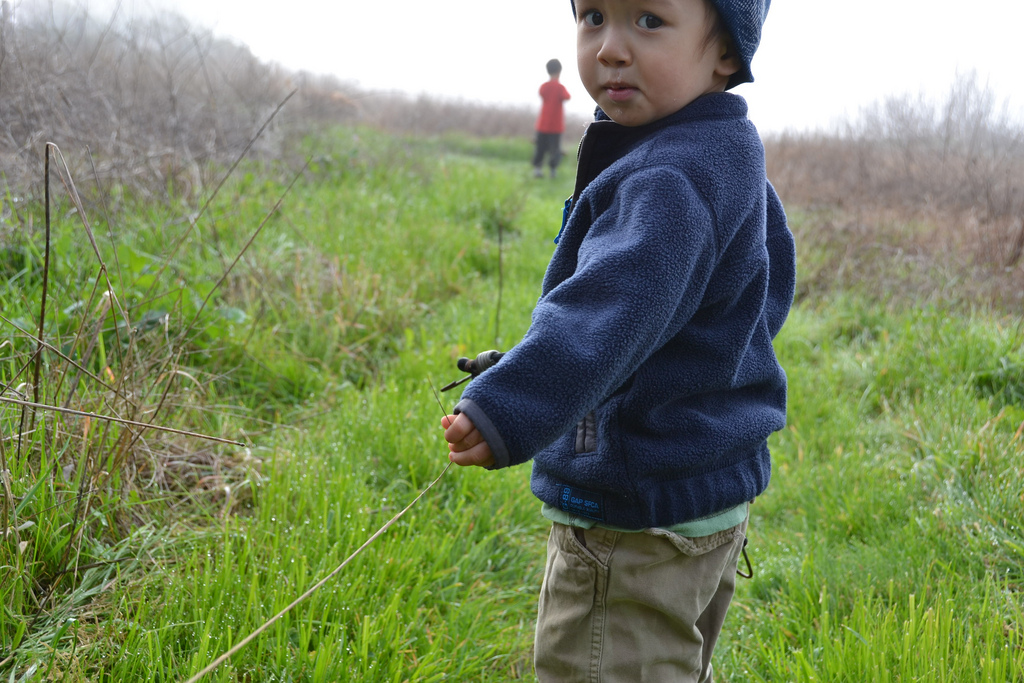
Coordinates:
(694, 528)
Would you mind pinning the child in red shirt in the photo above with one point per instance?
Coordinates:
(550, 122)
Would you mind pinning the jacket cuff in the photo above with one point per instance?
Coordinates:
(487, 430)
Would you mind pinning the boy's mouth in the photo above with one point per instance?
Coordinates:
(618, 92)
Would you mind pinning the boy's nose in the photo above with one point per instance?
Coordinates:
(614, 49)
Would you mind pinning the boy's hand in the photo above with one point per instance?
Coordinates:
(466, 444)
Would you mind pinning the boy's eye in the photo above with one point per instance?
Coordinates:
(593, 18)
(649, 21)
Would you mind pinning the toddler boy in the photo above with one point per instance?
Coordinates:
(646, 386)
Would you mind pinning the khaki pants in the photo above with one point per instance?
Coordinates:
(633, 607)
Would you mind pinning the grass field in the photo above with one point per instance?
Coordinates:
(888, 547)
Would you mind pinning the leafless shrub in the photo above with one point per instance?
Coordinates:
(155, 102)
(941, 183)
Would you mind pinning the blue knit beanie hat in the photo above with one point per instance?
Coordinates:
(743, 19)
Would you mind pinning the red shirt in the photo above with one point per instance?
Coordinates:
(552, 119)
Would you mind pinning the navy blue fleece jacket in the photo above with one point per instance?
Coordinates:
(647, 385)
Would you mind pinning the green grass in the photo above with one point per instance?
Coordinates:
(889, 546)
(890, 539)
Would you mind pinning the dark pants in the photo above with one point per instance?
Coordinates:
(549, 145)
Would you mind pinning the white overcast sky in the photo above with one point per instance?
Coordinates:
(819, 63)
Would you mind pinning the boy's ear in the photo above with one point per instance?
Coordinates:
(728, 59)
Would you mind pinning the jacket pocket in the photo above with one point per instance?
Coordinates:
(586, 434)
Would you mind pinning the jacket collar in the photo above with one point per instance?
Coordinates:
(605, 141)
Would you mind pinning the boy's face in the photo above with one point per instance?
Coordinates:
(642, 60)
